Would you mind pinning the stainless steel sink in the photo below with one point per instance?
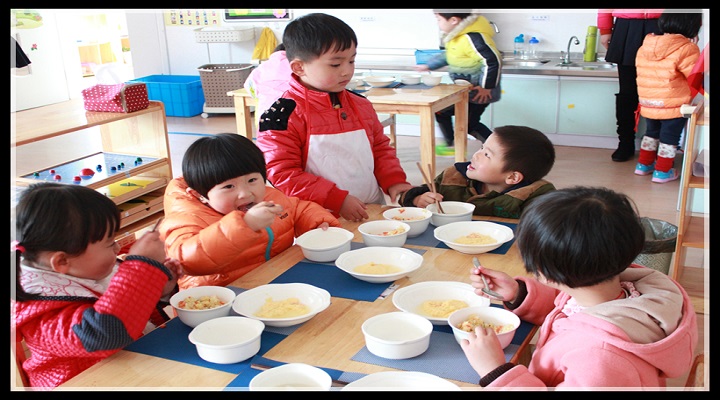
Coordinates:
(587, 65)
(526, 64)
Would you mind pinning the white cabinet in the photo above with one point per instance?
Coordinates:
(529, 100)
(587, 106)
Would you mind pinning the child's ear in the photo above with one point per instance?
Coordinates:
(514, 178)
(196, 194)
(297, 67)
(59, 262)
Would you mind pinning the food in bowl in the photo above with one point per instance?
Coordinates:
(475, 238)
(440, 308)
(386, 233)
(410, 298)
(474, 321)
(379, 264)
(286, 308)
(200, 303)
(417, 218)
(464, 236)
(504, 322)
(251, 301)
(203, 310)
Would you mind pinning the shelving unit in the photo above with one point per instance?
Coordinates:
(691, 228)
(64, 138)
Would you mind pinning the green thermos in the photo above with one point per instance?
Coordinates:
(590, 54)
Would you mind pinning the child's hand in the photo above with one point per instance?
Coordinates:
(483, 350)
(498, 281)
(396, 189)
(426, 198)
(421, 68)
(324, 226)
(150, 246)
(353, 209)
(176, 270)
(481, 95)
(262, 215)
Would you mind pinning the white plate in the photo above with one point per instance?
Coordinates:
(250, 301)
(403, 258)
(401, 380)
(410, 298)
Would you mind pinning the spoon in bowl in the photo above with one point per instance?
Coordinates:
(486, 289)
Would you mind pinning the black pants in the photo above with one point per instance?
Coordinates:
(475, 128)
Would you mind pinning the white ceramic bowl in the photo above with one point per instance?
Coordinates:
(404, 259)
(397, 335)
(450, 233)
(402, 381)
(431, 79)
(324, 246)
(385, 233)
(454, 211)
(462, 82)
(410, 79)
(417, 218)
(353, 84)
(379, 81)
(498, 317)
(292, 376)
(193, 318)
(227, 340)
(411, 298)
(249, 302)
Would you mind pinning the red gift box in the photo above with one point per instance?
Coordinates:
(121, 97)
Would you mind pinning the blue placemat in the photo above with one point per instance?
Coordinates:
(500, 250)
(336, 281)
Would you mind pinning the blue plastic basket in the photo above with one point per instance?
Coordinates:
(423, 56)
(182, 95)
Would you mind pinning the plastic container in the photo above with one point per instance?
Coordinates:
(519, 49)
(182, 95)
(590, 54)
(533, 48)
(423, 56)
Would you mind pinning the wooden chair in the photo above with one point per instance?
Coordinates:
(20, 353)
(388, 120)
(696, 377)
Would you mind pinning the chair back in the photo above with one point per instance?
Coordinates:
(696, 377)
(20, 353)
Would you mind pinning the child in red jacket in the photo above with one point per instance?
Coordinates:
(73, 303)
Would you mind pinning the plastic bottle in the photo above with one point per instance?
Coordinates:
(533, 48)
(590, 54)
(519, 50)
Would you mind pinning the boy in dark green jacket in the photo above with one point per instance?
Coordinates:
(502, 177)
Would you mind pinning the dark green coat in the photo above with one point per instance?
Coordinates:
(454, 185)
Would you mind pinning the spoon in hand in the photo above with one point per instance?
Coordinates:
(486, 289)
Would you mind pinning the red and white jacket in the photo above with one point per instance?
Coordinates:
(321, 153)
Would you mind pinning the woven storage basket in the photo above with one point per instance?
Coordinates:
(219, 79)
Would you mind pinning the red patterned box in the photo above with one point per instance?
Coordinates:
(121, 97)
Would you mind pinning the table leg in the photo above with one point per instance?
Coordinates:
(243, 117)
(461, 125)
(427, 137)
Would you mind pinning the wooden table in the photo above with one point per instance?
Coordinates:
(422, 102)
(328, 340)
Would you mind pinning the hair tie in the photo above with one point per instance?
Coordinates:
(16, 246)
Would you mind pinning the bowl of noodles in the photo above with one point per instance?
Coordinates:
(436, 300)
(198, 304)
(282, 304)
(503, 322)
(474, 237)
(379, 264)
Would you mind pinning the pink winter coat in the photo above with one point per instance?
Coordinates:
(216, 249)
(269, 80)
(663, 65)
(632, 342)
(320, 153)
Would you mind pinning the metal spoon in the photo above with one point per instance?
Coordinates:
(486, 289)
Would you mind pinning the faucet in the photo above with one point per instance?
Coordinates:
(566, 58)
(495, 27)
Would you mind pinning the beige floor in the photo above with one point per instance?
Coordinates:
(573, 166)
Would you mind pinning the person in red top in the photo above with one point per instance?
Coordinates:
(664, 63)
(73, 303)
(622, 33)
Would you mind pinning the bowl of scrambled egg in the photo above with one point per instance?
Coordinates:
(474, 237)
(202, 303)
(384, 232)
(436, 300)
(282, 304)
(379, 264)
(503, 322)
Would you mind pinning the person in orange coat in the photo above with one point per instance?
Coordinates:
(222, 221)
(664, 63)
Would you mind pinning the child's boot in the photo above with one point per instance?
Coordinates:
(664, 171)
(646, 158)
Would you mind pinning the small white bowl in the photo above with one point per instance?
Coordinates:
(193, 318)
(431, 79)
(379, 81)
(293, 376)
(411, 298)
(353, 84)
(404, 259)
(450, 233)
(462, 82)
(496, 316)
(385, 233)
(418, 218)
(227, 340)
(397, 335)
(401, 381)
(249, 302)
(454, 211)
(410, 79)
(324, 246)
